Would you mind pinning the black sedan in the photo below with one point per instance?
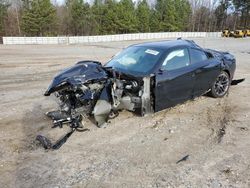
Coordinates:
(180, 70)
(143, 78)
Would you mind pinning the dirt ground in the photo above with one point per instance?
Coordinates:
(131, 151)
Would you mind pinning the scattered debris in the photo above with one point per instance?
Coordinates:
(236, 82)
(243, 128)
(221, 133)
(155, 126)
(227, 171)
(47, 144)
(171, 131)
(183, 159)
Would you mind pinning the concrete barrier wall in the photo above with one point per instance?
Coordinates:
(105, 38)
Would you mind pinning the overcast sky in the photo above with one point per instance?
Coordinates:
(58, 1)
(207, 2)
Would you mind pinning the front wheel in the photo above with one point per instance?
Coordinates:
(221, 85)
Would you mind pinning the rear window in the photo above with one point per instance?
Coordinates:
(197, 56)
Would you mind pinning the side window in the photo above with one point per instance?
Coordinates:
(197, 55)
(176, 59)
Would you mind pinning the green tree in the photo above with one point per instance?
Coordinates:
(26, 4)
(243, 7)
(39, 18)
(3, 13)
(183, 12)
(109, 21)
(221, 13)
(80, 17)
(166, 14)
(127, 20)
(143, 16)
(154, 21)
(98, 10)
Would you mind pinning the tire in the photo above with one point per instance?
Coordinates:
(220, 86)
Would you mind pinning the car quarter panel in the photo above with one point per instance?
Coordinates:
(205, 75)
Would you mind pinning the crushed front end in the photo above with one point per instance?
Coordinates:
(89, 90)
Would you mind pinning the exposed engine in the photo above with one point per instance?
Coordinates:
(89, 90)
(100, 99)
(100, 95)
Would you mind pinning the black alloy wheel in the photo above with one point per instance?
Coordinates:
(221, 85)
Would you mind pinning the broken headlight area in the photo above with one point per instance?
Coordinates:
(89, 90)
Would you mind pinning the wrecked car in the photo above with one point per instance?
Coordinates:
(143, 78)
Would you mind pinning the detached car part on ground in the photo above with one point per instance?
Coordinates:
(143, 78)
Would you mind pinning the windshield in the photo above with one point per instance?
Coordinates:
(136, 60)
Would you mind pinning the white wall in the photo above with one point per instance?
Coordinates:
(105, 38)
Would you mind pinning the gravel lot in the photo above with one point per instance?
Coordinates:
(132, 151)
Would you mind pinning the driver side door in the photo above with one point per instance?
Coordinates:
(175, 80)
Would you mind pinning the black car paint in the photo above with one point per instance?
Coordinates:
(82, 72)
(228, 62)
(170, 87)
(176, 86)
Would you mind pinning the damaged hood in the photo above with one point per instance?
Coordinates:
(80, 73)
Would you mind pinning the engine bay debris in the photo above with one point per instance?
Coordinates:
(90, 90)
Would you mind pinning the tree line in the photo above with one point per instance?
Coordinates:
(78, 17)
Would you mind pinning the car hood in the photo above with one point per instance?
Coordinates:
(80, 73)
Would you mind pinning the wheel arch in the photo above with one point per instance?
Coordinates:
(228, 72)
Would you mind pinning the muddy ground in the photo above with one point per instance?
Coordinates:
(131, 151)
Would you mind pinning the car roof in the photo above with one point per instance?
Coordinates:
(166, 44)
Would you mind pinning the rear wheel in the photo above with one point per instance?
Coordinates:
(221, 85)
